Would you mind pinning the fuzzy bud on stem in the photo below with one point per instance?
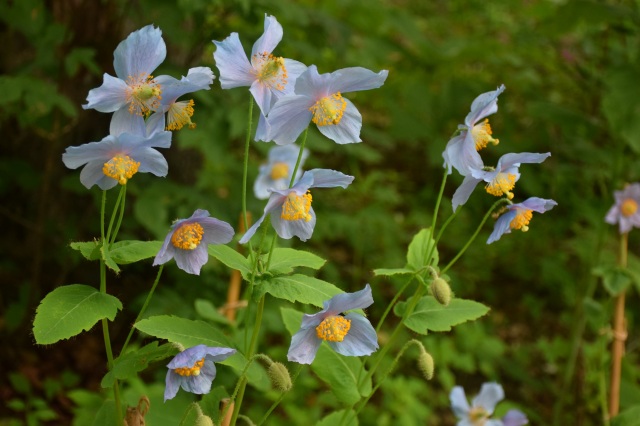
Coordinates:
(441, 291)
(425, 364)
(279, 376)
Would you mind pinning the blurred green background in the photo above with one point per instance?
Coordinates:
(572, 72)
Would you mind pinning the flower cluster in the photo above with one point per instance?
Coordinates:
(461, 153)
(482, 406)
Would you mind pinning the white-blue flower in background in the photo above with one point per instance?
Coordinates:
(482, 407)
(276, 174)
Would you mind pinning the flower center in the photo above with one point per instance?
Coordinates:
(270, 70)
(143, 94)
(481, 133)
(279, 170)
(297, 207)
(188, 236)
(191, 371)
(179, 114)
(333, 328)
(121, 168)
(628, 207)
(328, 110)
(521, 221)
(478, 416)
(503, 183)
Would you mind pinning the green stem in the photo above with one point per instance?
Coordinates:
(295, 169)
(444, 226)
(246, 165)
(121, 215)
(427, 259)
(143, 309)
(102, 209)
(393, 302)
(281, 397)
(113, 215)
(475, 234)
(237, 388)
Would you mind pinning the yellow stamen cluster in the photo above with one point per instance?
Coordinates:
(121, 168)
(270, 70)
(478, 416)
(333, 328)
(521, 221)
(143, 94)
(188, 236)
(179, 114)
(328, 110)
(297, 207)
(481, 133)
(502, 184)
(191, 371)
(628, 207)
(279, 170)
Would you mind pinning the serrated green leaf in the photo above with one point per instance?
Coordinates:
(129, 364)
(419, 248)
(342, 374)
(230, 257)
(208, 311)
(298, 288)
(284, 260)
(615, 279)
(90, 249)
(68, 310)
(431, 315)
(392, 271)
(335, 418)
(125, 252)
(106, 256)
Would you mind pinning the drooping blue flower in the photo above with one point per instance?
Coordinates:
(116, 158)
(461, 151)
(625, 211)
(188, 239)
(482, 406)
(518, 215)
(194, 370)
(500, 181)
(269, 77)
(349, 335)
(318, 98)
(276, 174)
(290, 209)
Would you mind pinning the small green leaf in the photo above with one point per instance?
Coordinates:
(129, 364)
(616, 279)
(90, 249)
(392, 271)
(335, 418)
(230, 257)
(106, 256)
(69, 310)
(419, 248)
(208, 311)
(298, 288)
(431, 315)
(283, 260)
(341, 373)
(124, 252)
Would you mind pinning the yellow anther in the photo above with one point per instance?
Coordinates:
(503, 183)
(328, 110)
(179, 115)
(333, 329)
(270, 70)
(521, 221)
(143, 94)
(478, 416)
(628, 207)
(297, 207)
(190, 371)
(481, 133)
(188, 236)
(121, 168)
(279, 170)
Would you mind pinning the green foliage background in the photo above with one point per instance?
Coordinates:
(571, 70)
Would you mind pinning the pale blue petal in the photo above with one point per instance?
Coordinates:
(199, 78)
(490, 394)
(263, 129)
(288, 118)
(304, 346)
(346, 301)
(348, 129)
(361, 339)
(172, 384)
(287, 229)
(294, 69)
(200, 384)
(326, 178)
(459, 403)
(464, 191)
(270, 38)
(312, 84)
(460, 153)
(539, 205)
(151, 161)
(155, 123)
(263, 96)
(235, 69)
(483, 106)
(76, 156)
(140, 54)
(514, 418)
(502, 226)
(188, 357)
(514, 160)
(275, 203)
(356, 79)
(109, 97)
(92, 174)
(191, 261)
(167, 251)
(215, 231)
(123, 121)
(219, 354)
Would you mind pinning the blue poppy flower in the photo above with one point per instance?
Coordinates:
(318, 98)
(625, 211)
(518, 215)
(187, 241)
(482, 407)
(194, 370)
(349, 335)
(116, 158)
(269, 77)
(290, 209)
(276, 174)
(500, 181)
(461, 151)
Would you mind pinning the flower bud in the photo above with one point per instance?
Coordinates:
(204, 420)
(279, 376)
(441, 291)
(425, 364)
